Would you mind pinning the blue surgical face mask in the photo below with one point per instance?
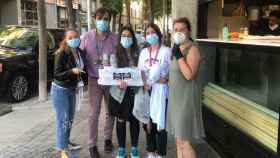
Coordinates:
(73, 43)
(152, 39)
(102, 25)
(126, 42)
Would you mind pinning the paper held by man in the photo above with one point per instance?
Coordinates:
(110, 76)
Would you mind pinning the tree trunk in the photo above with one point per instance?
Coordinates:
(145, 13)
(120, 22)
(70, 13)
(78, 25)
(114, 23)
(164, 14)
(43, 93)
(127, 6)
(151, 11)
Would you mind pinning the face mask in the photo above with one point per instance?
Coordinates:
(179, 37)
(273, 27)
(73, 43)
(102, 25)
(152, 39)
(126, 42)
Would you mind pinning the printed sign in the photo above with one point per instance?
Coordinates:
(111, 76)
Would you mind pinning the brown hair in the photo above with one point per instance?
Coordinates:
(122, 56)
(102, 11)
(183, 20)
(63, 44)
(157, 30)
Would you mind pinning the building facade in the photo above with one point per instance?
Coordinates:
(24, 12)
(136, 16)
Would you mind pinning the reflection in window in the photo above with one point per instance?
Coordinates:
(19, 38)
(251, 74)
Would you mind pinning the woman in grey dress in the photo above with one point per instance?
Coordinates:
(184, 118)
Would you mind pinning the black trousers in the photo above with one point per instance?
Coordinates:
(134, 131)
(156, 140)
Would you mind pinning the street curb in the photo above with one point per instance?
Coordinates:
(34, 105)
(5, 109)
(31, 107)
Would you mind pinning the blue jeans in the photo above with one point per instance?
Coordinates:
(64, 101)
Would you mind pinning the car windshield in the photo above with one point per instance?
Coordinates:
(17, 38)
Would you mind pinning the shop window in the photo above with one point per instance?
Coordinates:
(251, 74)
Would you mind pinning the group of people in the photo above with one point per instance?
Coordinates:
(169, 75)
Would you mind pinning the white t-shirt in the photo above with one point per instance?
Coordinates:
(162, 59)
(155, 67)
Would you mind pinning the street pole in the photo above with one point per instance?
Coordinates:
(89, 18)
(43, 92)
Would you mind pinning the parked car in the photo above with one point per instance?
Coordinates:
(19, 60)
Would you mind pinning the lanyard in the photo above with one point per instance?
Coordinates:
(78, 58)
(151, 59)
(99, 47)
(78, 61)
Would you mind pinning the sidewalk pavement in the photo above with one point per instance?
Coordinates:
(30, 133)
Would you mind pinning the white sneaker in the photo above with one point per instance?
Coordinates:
(158, 156)
(150, 155)
(74, 146)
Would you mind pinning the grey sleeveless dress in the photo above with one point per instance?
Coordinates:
(184, 117)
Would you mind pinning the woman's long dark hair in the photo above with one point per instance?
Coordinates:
(122, 57)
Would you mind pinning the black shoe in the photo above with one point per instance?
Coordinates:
(94, 152)
(108, 147)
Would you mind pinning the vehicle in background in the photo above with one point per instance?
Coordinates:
(19, 66)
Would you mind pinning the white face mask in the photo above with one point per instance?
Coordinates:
(179, 37)
(273, 27)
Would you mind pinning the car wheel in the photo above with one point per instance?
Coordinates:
(18, 88)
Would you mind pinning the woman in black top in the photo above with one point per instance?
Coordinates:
(68, 70)
(127, 56)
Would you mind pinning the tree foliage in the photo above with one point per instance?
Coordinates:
(115, 6)
(158, 8)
